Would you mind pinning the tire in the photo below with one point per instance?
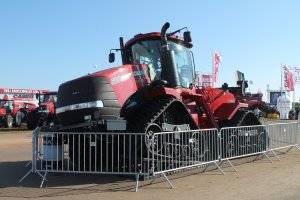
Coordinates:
(8, 121)
(19, 118)
(32, 120)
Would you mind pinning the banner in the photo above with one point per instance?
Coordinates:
(287, 77)
(206, 80)
(216, 65)
(297, 75)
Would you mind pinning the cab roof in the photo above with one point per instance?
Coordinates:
(157, 36)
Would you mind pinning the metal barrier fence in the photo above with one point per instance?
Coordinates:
(243, 141)
(237, 142)
(93, 153)
(152, 155)
(283, 135)
(173, 151)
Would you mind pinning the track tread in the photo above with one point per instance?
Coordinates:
(149, 112)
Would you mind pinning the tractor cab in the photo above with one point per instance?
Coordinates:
(150, 48)
(6, 109)
(148, 52)
(7, 105)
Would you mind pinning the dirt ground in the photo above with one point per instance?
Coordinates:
(254, 180)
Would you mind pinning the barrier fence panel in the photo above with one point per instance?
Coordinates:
(172, 151)
(90, 152)
(236, 142)
(283, 135)
(154, 154)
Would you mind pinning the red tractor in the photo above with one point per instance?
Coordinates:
(45, 112)
(153, 91)
(20, 111)
(13, 113)
(254, 100)
(6, 108)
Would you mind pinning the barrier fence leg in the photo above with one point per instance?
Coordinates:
(153, 179)
(219, 168)
(137, 179)
(264, 153)
(275, 155)
(44, 177)
(289, 149)
(230, 163)
(27, 174)
(297, 147)
(256, 157)
(168, 181)
(207, 165)
(28, 164)
(41, 176)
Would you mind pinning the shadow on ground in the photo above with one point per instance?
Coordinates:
(57, 184)
(75, 184)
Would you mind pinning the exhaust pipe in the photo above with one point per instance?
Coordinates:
(164, 41)
(167, 58)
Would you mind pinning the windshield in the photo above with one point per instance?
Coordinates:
(6, 104)
(49, 98)
(148, 52)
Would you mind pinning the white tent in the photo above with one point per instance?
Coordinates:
(284, 105)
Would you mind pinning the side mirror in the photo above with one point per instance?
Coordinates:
(111, 57)
(37, 95)
(187, 36)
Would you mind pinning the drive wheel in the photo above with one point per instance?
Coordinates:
(153, 142)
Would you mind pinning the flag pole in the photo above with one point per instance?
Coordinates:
(213, 69)
(294, 85)
(281, 88)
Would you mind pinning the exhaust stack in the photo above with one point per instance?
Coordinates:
(167, 59)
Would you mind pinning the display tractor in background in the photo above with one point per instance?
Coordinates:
(44, 114)
(253, 100)
(153, 91)
(20, 111)
(6, 108)
(13, 113)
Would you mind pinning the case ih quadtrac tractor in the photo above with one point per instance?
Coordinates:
(153, 91)
(45, 112)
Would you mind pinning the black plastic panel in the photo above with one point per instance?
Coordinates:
(87, 89)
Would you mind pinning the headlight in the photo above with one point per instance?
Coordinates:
(92, 104)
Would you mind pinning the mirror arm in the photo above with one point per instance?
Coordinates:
(177, 31)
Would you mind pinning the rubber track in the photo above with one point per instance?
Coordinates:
(241, 116)
(149, 112)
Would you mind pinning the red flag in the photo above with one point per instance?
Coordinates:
(217, 62)
(288, 80)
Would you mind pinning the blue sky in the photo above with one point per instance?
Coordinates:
(45, 43)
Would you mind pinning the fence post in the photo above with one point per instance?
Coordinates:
(34, 154)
